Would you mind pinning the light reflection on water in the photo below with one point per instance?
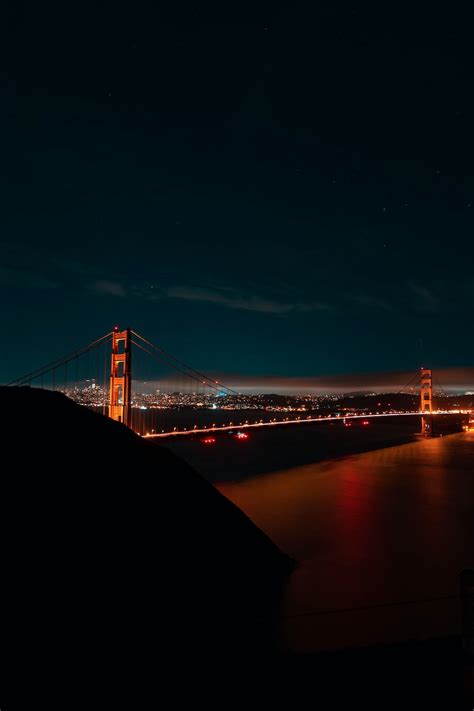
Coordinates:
(387, 527)
(268, 450)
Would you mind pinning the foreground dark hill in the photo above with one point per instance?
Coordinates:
(120, 564)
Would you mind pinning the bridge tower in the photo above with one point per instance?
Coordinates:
(426, 402)
(121, 377)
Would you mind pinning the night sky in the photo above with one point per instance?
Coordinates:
(282, 190)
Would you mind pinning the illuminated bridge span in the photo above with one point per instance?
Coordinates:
(99, 375)
(280, 423)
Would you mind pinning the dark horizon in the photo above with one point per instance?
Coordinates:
(287, 190)
(451, 380)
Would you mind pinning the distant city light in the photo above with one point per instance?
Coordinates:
(259, 410)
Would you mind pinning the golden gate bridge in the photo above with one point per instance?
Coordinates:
(111, 391)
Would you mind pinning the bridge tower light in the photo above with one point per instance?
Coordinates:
(426, 400)
(120, 396)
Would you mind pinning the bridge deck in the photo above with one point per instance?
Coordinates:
(277, 423)
(381, 538)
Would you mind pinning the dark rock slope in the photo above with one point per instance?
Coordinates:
(120, 564)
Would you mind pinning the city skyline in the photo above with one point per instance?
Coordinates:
(446, 380)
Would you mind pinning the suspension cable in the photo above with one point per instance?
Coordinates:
(49, 367)
(160, 358)
(440, 387)
(186, 368)
(410, 383)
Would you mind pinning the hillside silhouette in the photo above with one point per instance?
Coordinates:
(119, 561)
